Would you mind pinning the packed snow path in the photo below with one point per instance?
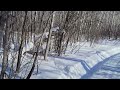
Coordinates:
(108, 69)
(80, 61)
(77, 64)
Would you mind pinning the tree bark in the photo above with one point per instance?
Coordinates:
(33, 66)
(49, 37)
(21, 44)
(5, 53)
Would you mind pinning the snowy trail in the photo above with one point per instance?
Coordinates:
(107, 69)
(79, 65)
(82, 63)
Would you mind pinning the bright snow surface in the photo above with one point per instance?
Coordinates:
(80, 61)
(108, 69)
(77, 63)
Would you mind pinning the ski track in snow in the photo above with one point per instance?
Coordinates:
(83, 64)
(108, 69)
(97, 67)
(75, 66)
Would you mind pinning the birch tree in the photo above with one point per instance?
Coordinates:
(49, 36)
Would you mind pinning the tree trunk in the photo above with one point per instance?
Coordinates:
(5, 53)
(21, 44)
(49, 38)
(36, 53)
(33, 66)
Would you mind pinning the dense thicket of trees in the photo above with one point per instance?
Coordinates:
(18, 28)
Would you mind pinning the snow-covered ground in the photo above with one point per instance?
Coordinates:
(109, 69)
(78, 61)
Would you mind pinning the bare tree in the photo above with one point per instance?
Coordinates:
(49, 37)
(35, 55)
(5, 47)
(21, 44)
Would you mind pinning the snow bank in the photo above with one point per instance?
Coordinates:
(72, 65)
(27, 47)
(76, 64)
(92, 55)
(101, 55)
(75, 71)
